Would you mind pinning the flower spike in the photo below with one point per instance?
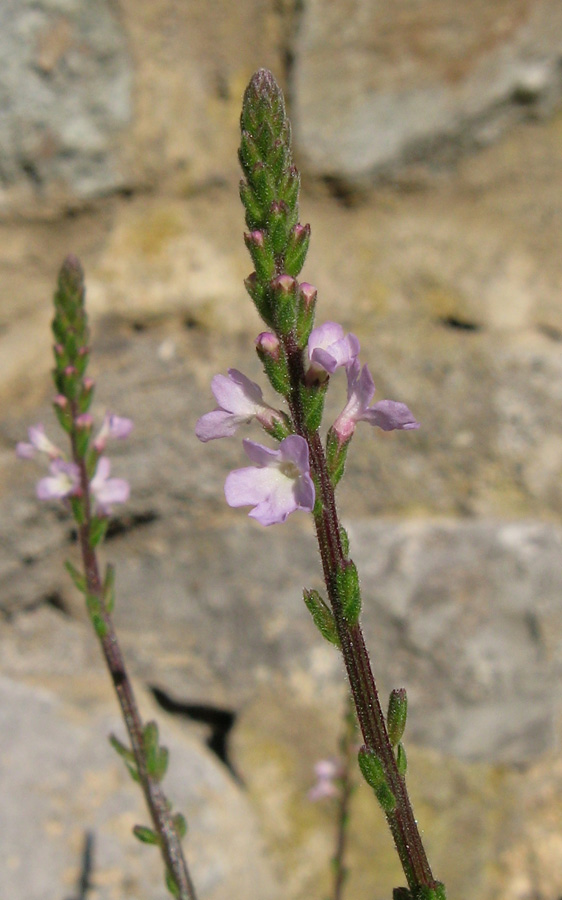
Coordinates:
(277, 485)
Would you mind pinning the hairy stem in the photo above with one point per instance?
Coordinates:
(158, 806)
(401, 820)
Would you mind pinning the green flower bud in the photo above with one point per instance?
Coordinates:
(396, 716)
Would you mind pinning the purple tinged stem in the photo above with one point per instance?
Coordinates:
(401, 820)
(156, 801)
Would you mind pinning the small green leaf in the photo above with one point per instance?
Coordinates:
(82, 441)
(98, 528)
(161, 763)
(133, 772)
(150, 744)
(344, 540)
(401, 759)
(171, 884)
(96, 615)
(347, 581)
(397, 714)
(321, 616)
(336, 455)
(180, 825)
(373, 773)
(120, 748)
(77, 577)
(109, 588)
(77, 507)
(145, 835)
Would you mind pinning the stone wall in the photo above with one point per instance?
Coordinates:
(429, 135)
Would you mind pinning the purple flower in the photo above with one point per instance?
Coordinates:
(63, 481)
(329, 349)
(114, 428)
(277, 485)
(38, 443)
(240, 400)
(327, 771)
(106, 490)
(387, 414)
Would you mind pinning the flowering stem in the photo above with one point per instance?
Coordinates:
(401, 820)
(158, 806)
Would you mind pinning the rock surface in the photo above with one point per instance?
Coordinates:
(405, 82)
(61, 782)
(66, 99)
(437, 130)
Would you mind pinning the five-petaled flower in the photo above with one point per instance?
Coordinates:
(64, 478)
(240, 400)
(278, 484)
(386, 414)
(63, 481)
(106, 490)
(329, 348)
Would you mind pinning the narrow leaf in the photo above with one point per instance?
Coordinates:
(77, 577)
(321, 616)
(145, 835)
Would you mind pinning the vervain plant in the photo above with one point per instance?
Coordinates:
(82, 481)
(301, 473)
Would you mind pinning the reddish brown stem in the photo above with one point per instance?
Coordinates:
(401, 820)
(170, 844)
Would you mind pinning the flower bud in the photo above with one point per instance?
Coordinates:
(86, 394)
(83, 424)
(305, 312)
(267, 344)
(260, 294)
(261, 253)
(274, 362)
(297, 248)
(284, 295)
(277, 224)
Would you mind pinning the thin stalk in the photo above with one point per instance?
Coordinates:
(347, 785)
(158, 806)
(401, 820)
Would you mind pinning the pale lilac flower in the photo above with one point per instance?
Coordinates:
(63, 481)
(387, 414)
(239, 401)
(277, 485)
(38, 443)
(106, 490)
(114, 428)
(329, 348)
(327, 771)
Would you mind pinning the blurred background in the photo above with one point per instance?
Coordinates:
(429, 138)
